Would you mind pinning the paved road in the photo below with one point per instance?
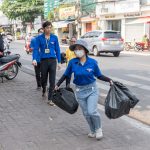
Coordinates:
(28, 123)
(132, 69)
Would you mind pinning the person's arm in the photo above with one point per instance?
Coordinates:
(36, 52)
(104, 78)
(62, 79)
(57, 49)
(66, 75)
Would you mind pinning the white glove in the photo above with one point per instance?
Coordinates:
(34, 63)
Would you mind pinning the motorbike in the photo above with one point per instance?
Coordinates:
(9, 66)
(136, 46)
(139, 46)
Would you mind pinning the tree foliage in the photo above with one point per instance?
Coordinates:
(26, 10)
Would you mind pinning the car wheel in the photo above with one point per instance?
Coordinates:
(116, 54)
(95, 51)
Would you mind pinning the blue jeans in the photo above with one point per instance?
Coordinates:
(87, 97)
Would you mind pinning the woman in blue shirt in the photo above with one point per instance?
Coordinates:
(85, 70)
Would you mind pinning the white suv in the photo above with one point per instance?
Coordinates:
(108, 41)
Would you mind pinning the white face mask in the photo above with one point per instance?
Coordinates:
(79, 53)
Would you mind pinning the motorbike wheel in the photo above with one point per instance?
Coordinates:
(12, 72)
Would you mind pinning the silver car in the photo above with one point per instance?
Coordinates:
(108, 41)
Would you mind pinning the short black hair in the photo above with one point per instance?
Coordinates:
(46, 23)
(40, 29)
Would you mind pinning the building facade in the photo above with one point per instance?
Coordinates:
(131, 18)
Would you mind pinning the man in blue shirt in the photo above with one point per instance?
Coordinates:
(49, 52)
(37, 68)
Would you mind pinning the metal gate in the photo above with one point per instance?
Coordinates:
(134, 31)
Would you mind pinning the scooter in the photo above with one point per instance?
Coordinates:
(139, 46)
(9, 66)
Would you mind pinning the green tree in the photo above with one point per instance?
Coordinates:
(26, 10)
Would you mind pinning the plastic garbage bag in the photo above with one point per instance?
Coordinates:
(119, 101)
(65, 99)
(133, 98)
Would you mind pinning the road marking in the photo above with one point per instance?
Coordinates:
(145, 65)
(136, 53)
(130, 83)
(139, 77)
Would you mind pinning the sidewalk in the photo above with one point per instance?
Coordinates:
(28, 123)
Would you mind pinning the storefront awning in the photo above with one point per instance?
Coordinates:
(61, 24)
(140, 20)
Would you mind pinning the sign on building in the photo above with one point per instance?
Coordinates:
(68, 12)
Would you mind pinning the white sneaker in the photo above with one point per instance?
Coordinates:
(92, 135)
(99, 134)
(51, 103)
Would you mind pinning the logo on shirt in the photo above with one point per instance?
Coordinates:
(52, 42)
(89, 69)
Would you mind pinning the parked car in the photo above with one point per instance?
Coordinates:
(100, 41)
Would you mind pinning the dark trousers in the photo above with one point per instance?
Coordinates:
(48, 68)
(38, 74)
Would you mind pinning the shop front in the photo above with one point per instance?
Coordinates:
(88, 24)
(64, 30)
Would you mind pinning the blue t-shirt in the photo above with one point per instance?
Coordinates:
(52, 44)
(83, 74)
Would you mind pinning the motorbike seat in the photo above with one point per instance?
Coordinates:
(8, 58)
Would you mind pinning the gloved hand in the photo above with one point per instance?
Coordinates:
(111, 82)
(56, 88)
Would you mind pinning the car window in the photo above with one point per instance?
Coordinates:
(91, 34)
(97, 34)
(112, 35)
(86, 35)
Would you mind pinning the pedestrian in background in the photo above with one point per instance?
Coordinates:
(70, 54)
(85, 70)
(145, 40)
(37, 68)
(49, 52)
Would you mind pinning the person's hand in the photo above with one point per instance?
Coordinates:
(111, 82)
(56, 88)
(34, 63)
(59, 66)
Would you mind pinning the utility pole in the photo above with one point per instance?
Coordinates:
(78, 18)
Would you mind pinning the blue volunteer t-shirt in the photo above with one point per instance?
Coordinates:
(51, 44)
(83, 74)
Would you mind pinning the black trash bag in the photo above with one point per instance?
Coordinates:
(116, 103)
(133, 98)
(65, 99)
